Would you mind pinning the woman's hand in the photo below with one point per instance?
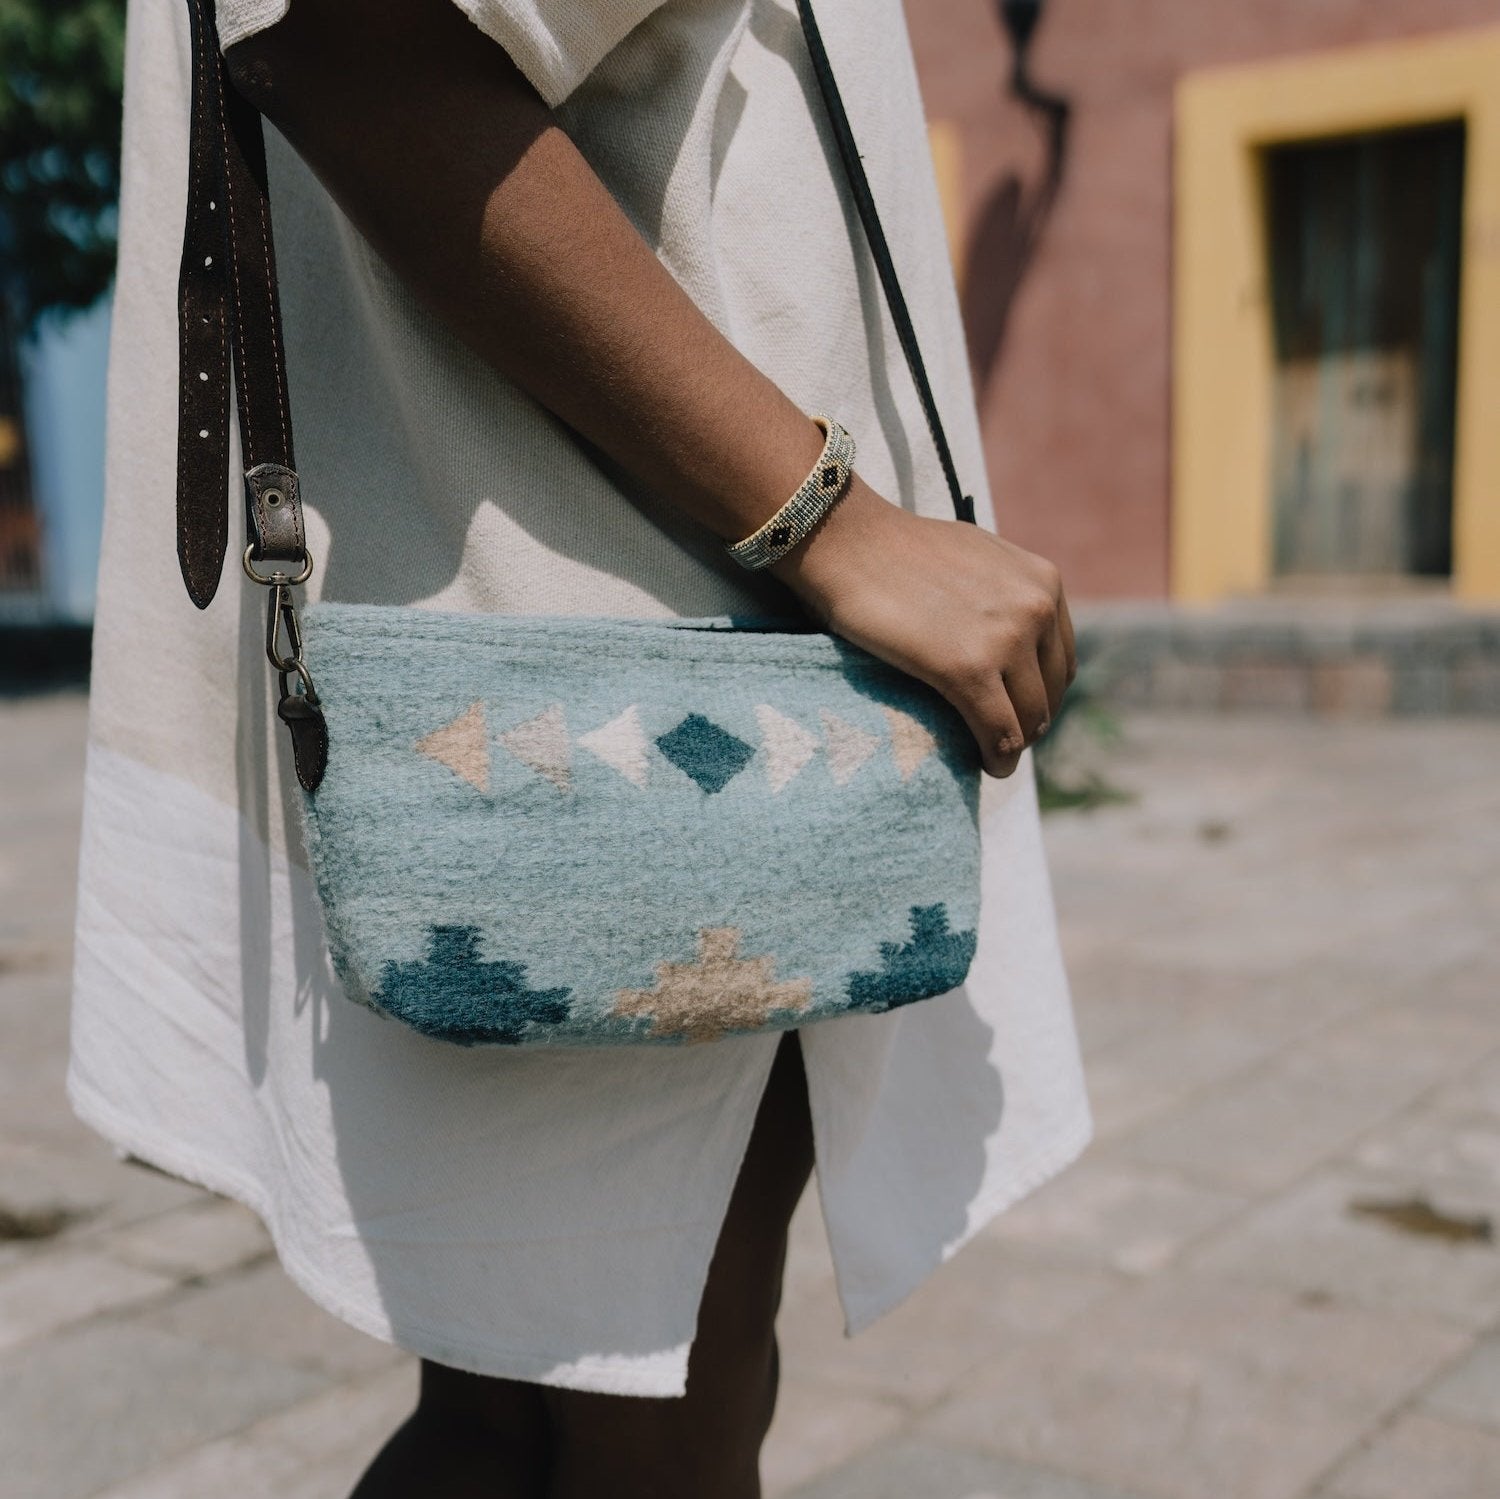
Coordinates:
(972, 615)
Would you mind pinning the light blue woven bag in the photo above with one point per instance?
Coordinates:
(580, 830)
(555, 830)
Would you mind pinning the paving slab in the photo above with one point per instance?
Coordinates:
(96, 1404)
(1184, 1387)
(905, 1469)
(314, 1450)
(1108, 1013)
(1422, 1457)
(41, 784)
(203, 1238)
(1451, 1135)
(33, 1034)
(88, 1184)
(985, 1299)
(1266, 923)
(819, 1428)
(1314, 1239)
(1150, 1074)
(1135, 1219)
(262, 1313)
(1469, 1393)
(809, 1265)
(41, 1293)
(1474, 985)
(1266, 1128)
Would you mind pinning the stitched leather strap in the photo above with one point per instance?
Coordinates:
(228, 307)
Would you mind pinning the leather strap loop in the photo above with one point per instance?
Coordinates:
(273, 497)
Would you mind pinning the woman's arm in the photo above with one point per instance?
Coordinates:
(455, 170)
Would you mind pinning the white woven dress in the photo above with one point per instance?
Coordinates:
(542, 1216)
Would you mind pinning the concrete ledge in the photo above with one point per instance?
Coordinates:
(1335, 656)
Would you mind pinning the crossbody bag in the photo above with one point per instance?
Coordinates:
(570, 830)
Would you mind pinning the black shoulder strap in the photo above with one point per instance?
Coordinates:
(880, 250)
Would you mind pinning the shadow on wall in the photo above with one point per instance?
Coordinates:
(1009, 225)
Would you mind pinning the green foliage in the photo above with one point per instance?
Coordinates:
(61, 67)
(1067, 775)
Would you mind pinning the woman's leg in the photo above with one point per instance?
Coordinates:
(708, 1441)
(503, 1439)
(469, 1438)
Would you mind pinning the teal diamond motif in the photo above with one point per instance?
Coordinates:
(699, 748)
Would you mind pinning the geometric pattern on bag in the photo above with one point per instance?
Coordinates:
(702, 750)
(459, 996)
(559, 830)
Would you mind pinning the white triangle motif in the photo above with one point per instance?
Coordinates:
(787, 744)
(848, 747)
(462, 746)
(542, 743)
(621, 743)
(911, 742)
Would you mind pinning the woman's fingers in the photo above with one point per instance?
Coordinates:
(1030, 695)
(981, 697)
(1056, 650)
(1052, 657)
(1069, 640)
(1035, 663)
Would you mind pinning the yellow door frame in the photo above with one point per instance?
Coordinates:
(1222, 350)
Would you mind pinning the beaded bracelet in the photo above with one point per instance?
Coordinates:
(813, 499)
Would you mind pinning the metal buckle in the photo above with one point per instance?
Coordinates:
(279, 576)
(281, 621)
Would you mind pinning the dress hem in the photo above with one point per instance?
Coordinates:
(168, 1155)
(605, 1379)
(1040, 1169)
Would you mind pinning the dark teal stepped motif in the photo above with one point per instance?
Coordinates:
(933, 962)
(452, 996)
(712, 756)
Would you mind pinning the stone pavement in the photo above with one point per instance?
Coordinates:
(1272, 1277)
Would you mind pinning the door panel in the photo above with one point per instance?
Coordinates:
(1364, 254)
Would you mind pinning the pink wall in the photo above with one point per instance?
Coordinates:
(1077, 409)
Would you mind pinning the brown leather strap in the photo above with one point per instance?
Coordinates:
(228, 311)
(228, 308)
(203, 344)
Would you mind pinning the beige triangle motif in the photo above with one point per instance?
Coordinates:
(848, 747)
(719, 991)
(542, 743)
(911, 742)
(462, 746)
(787, 744)
(621, 744)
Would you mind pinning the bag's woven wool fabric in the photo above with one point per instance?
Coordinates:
(543, 1213)
(687, 867)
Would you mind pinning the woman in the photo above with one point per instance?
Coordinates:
(561, 280)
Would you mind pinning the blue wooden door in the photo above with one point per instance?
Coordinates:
(1365, 244)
